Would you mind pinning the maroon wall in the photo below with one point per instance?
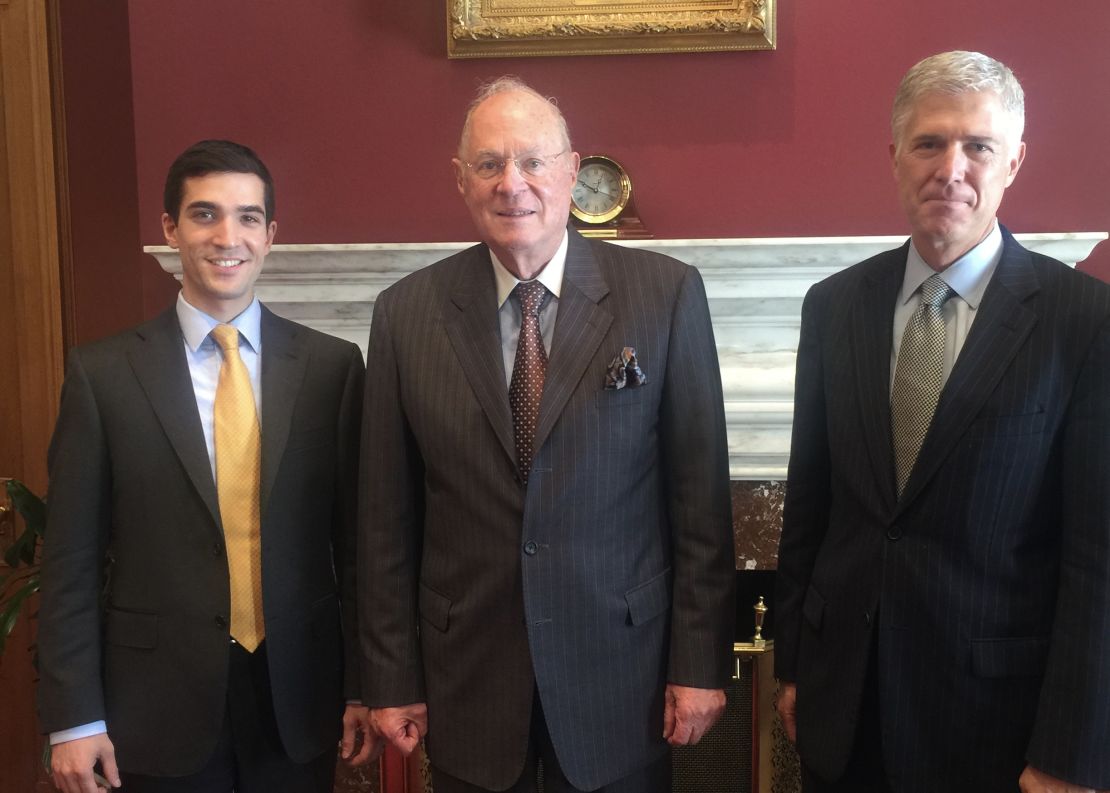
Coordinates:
(356, 109)
(109, 271)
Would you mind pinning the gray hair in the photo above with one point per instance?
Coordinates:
(505, 84)
(957, 72)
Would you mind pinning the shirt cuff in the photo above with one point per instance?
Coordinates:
(83, 731)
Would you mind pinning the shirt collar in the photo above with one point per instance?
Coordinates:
(196, 325)
(551, 276)
(968, 276)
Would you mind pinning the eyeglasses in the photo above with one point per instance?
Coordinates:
(530, 166)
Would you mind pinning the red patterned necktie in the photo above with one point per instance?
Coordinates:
(526, 386)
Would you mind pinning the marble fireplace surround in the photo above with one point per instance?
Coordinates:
(755, 289)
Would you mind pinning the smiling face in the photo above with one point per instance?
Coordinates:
(223, 238)
(522, 220)
(957, 155)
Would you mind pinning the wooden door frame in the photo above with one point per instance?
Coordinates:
(31, 281)
(35, 300)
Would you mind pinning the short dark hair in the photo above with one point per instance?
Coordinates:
(214, 156)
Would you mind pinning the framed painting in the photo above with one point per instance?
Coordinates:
(515, 28)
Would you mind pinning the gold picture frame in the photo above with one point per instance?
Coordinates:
(515, 28)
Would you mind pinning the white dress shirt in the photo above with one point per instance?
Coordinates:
(508, 311)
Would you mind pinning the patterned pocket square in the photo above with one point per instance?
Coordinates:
(624, 371)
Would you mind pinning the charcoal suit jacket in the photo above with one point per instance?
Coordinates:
(136, 601)
(609, 574)
(985, 587)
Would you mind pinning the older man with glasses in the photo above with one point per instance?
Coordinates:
(545, 534)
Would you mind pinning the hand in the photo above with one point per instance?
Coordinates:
(584, 184)
(356, 724)
(689, 712)
(786, 704)
(71, 764)
(403, 727)
(1034, 781)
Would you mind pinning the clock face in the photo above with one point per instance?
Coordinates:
(601, 192)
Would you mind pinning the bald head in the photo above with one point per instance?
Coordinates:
(515, 171)
(513, 89)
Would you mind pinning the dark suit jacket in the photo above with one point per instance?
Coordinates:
(130, 482)
(609, 574)
(987, 584)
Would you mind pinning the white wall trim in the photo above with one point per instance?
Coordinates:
(755, 289)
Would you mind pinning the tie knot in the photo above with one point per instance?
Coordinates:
(227, 336)
(935, 292)
(530, 294)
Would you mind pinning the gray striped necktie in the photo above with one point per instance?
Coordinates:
(918, 377)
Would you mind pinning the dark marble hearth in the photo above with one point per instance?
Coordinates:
(356, 780)
(757, 522)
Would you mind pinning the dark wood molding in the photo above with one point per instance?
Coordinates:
(34, 301)
(31, 326)
(61, 177)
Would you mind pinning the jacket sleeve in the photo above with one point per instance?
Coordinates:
(74, 550)
(1073, 718)
(390, 528)
(346, 519)
(806, 507)
(696, 478)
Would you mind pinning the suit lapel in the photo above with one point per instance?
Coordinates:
(475, 336)
(284, 359)
(1001, 326)
(872, 325)
(579, 329)
(159, 364)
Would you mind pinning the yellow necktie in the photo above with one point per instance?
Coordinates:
(238, 473)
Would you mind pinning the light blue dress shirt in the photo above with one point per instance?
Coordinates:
(205, 357)
(968, 276)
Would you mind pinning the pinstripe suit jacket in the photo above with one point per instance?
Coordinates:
(987, 584)
(609, 574)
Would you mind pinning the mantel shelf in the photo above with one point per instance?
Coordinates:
(755, 288)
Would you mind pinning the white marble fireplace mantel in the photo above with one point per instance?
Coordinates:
(755, 289)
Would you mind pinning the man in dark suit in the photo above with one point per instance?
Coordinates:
(196, 556)
(546, 559)
(944, 572)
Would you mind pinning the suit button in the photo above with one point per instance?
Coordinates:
(217, 549)
(867, 618)
(530, 548)
(221, 622)
(894, 533)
